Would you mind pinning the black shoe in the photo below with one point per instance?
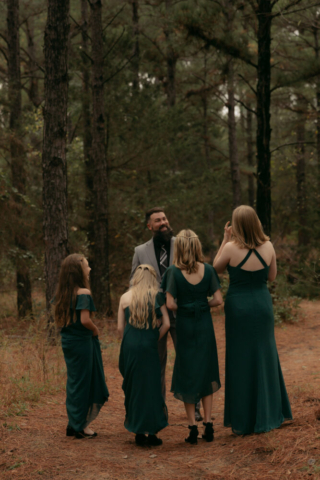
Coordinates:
(70, 431)
(82, 434)
(209, 432)
(141, 439)
(197, 414)
(154, 441)
(193, 435)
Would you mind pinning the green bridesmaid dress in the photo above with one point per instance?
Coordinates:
(256, 399)
(196, 368)
(86, 386)
(139, 364)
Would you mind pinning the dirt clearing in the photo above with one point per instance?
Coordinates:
(35, 446)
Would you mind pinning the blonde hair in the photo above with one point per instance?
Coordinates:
(187, 251)
(144, 290)
(246, 228)
(71, 278)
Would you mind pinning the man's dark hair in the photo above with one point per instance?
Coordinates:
(153, 210)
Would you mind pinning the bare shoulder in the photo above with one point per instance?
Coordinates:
(83, 291)
(125, 299)
(268, 246)
(231, 247)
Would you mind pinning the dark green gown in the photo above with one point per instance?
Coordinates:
(196, 368)
(139, 364)
(86, 387)
(256, 399)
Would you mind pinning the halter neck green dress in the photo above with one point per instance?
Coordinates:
(256, 399)
(139, 364)
(196, 368)
(86, 386)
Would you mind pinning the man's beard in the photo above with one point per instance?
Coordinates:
(163, 236)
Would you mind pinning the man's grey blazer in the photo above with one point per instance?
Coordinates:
(145, 254)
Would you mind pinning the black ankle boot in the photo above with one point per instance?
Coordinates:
(209, 432)
(193, 435)
(141, 439)
(154, 441)
(70, 431)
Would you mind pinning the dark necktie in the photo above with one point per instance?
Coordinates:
(163, 260)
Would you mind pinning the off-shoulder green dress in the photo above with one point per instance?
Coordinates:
(139, 364)
(86, 386)
(196, 368)
(256, 398)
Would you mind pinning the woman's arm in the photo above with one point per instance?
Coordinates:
(121, 319)
(222, 258)
(273, 267)
(165, 322)
(171, 304)
(216, 300)
(88, 323)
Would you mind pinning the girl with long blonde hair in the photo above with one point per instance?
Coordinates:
(140, 311)
(256, 399)
(192, 287)
(86, 387)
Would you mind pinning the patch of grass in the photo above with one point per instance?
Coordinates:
(16, 465)
(11, 427)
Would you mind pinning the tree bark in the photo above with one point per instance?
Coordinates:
(317, 49)
(250, 159)
(100, 268)
(263, 115)
(301, 175)
(136, 48)
(86, 124)
(33, 90)
(18, 159)
(233, 146)
(54, 143)
(171, 58)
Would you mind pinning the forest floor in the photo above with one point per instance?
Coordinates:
(33, 442)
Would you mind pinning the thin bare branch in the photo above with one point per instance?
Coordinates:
(119, 70)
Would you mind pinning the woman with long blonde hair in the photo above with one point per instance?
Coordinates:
(86, 387)
(140, 311)
(188, 284)
(256, 399)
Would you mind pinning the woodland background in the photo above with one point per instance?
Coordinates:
(110, 108)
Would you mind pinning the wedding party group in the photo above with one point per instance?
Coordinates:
(172, 290)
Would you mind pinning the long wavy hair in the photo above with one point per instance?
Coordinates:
(71, 278)
(246, 228)
(144, 290)
(187, 251)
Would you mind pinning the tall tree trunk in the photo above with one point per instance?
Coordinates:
(136, 48)
(33, 90)
(18, 159)
(54, 142)
(86, 123)
(301, 175)
(317, 50)
(233, 146)
(250, 156)
(171, 58)
(100, 270)
(263, 114)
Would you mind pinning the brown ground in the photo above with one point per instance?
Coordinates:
(40, 448)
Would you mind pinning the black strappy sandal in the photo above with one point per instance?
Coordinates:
(209, 432)
(193, 435)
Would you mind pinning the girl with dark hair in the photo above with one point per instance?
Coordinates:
(86, 387)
